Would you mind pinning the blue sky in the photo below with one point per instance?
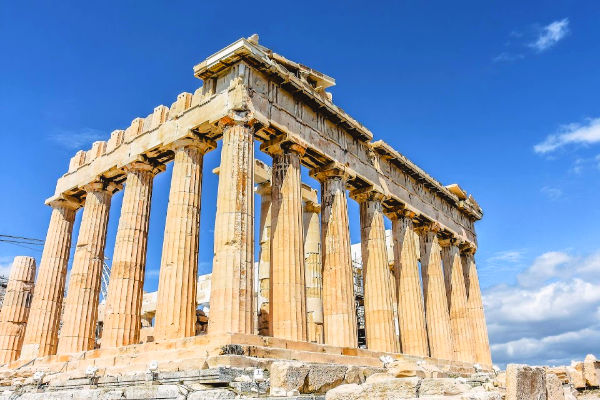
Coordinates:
(500, 97)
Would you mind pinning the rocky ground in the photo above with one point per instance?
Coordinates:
(399, 379)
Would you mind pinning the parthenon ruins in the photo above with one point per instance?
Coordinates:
(427, 304)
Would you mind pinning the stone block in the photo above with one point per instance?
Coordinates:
(287, 376)
(554, 390)
(404, 369)
(322, 377)
(525, 383)
(345, 392)
(442, 386)
(155, 392)
(215, 394)
(575, 372)
(590, 373)
(560, 372)
(395, 388)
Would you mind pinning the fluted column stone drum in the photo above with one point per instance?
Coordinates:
(287, 278)
(78, 332)
(122, 313)
(16, 307)
(41, 335)
(379, 308)
(231, 298)
(176, 299)
(481, 344)
(434, 293)
(339, 310)
(411, 311)
(456, 293)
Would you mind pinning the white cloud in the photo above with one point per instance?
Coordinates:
(508, 57)
(512, 256)
(550, 35)
(80, 139)
(551, 316)
(543, 268)
(551, 192)
(588, 133)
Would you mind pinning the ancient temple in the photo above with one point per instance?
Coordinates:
(425, 304)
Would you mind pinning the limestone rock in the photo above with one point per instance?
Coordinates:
(554, 390)
(560, 372)
(287, 376)
(575, 372)
(214, 394)
(442, 386)
(390, 389)
(403, 369)
(379, 377)
(590, 374)
(345, 392)
(525, 383)
(322, 377)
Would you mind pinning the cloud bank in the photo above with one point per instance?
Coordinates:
(551, 316)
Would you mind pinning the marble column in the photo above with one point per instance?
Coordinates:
(339, 310)
(409, 294)
(264, 258)
(287, 278)
(177, 282)
(313, 272)
(41, 335)
(15, 308)
(460, 324)
(434, 293)
(231, 299)
(481, 345)
(379, 308)
(122, 313)
(78, 332)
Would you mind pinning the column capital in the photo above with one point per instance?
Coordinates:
(102, 185)
(468, 248)
(204, 144)
(65, 201)
(368, 193)
(401, 212)
(312, 207)
(143, 163)
(428, 227)
(227, 122)
(284, 144)
(330, 170)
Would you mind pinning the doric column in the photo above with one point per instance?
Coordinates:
(481, 344)
(379, 309)
(78, 332)
(287, 280)
(41, 335)
(264, 258)
(456, 293)
(231, 299)
(176, 298)
(15, 308)
(339, 311)
(122, 314)
(434, 293)
(313, 272)
(409, 295)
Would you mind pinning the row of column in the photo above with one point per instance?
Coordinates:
(429, 325)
